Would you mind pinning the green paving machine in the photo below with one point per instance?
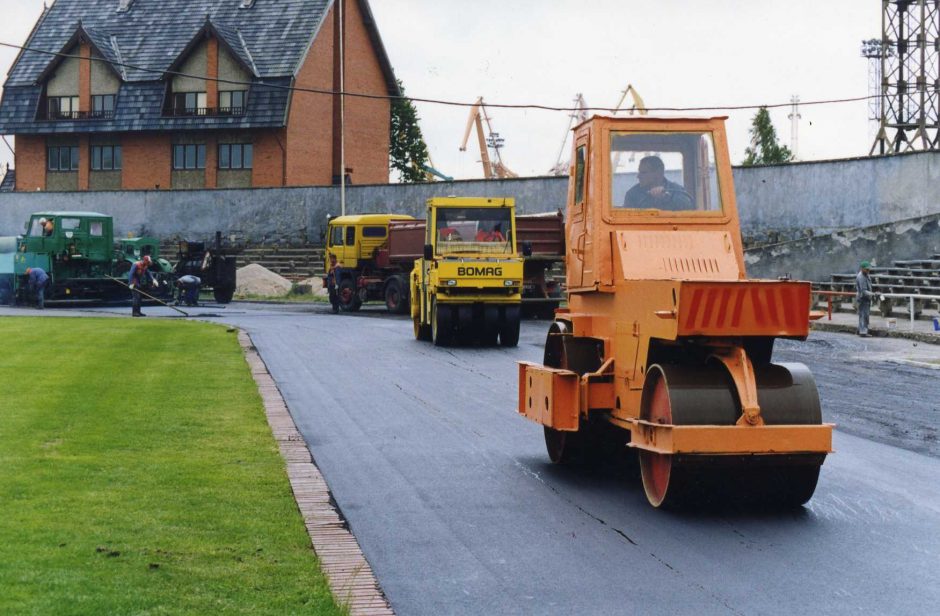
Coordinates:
(78, 251)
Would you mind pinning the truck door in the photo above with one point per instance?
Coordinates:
(579, 258)
(335, 243)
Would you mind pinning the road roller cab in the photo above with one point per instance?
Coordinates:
(468, 284)
(666, 346)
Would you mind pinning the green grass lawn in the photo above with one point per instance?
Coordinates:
(138, 475)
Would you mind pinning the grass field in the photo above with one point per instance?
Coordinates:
(139, 476)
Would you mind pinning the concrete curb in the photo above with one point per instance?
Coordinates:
(876, 333)
(349, 574)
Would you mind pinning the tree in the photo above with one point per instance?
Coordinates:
(407, 151)
(764, 149)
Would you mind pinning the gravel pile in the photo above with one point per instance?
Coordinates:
(254, 279)
(316, 285)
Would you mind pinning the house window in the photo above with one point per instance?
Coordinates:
(232, 102)
(189, 156)
(235, 155)
(102, 106)
(189, 103)
(62, 158)
(63, 107)
(105, 157)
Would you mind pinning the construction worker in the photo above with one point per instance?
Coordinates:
(38, 281)
(47, 227)
(136, 278)
(494, 235)
(863, 295)
(188, 286)
(331, 286)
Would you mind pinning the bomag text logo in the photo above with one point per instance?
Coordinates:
(479, 270)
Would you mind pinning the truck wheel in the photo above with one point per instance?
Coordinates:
(509, 327)
(442, 324)
(396, 300)
(223, 295)
(349, 300)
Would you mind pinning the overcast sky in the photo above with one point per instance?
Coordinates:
(676, 53)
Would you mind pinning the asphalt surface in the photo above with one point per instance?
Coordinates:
(453, 500)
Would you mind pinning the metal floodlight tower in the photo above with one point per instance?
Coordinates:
(874, 50)
(910, 84)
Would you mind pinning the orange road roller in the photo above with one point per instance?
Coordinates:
(665, 346)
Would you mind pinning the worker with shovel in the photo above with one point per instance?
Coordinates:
(139, 276)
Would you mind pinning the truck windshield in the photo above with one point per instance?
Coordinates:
(673, 172)
(474, 229)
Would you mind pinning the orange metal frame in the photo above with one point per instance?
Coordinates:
(642, 277)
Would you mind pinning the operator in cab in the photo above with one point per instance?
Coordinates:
(653, 191)
(493, 235)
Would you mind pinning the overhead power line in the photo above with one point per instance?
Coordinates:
(431, 101)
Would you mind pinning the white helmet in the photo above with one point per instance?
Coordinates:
(43, 221)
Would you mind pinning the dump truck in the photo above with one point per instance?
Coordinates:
(377, 252)
(665, 348)
(467, 285)
(368, 269)
(78, 252)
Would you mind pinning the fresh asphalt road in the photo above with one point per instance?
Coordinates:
(453, 500)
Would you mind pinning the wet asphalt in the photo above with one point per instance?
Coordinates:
(456, 507)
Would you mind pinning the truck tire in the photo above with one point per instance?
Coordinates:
(349, 300)
(223, 294)
(396, 296)
(509, 326)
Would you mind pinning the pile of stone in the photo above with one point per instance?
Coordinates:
(255, 280)
(315, 284)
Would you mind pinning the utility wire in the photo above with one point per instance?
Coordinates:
(432, 101)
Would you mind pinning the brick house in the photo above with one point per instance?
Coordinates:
(131, 110)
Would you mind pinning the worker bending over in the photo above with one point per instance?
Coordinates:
(38, 280)
(138, 277)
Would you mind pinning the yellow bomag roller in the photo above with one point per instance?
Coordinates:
(666, 345)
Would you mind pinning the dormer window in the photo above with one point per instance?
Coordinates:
(102, 106)
(189, 103)
(231, 102)
(63, 107)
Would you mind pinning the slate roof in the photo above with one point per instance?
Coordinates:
(8, 183)
(271, 39)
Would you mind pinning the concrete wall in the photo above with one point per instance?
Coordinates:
(783, 202)
(265, 215)
(841, 252)
(776, 202)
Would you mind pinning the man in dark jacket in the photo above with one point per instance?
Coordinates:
(863, 294)
(654, 191)
(38, 281)
(136, 278)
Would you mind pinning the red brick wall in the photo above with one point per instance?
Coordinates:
(147, 160)
(269, 158)
(309, 124)
(212, 160)
(84, 79)
(30, 163)
(212, 72)
(84, 162)
(367, 120)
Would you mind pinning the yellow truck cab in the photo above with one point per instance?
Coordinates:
(358, 241)
(468, 283)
